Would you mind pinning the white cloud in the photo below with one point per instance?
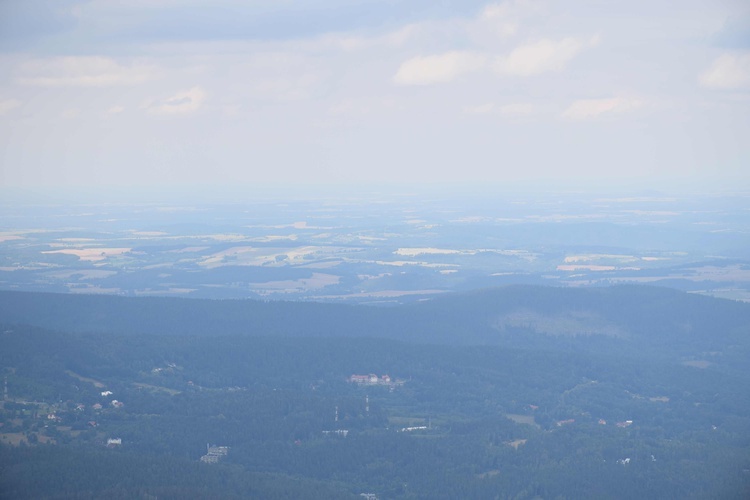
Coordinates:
(8, 104)
(514, 109)
(114, 110)
(480, 109)
(182, 102)
(506, 19)
(586, 109)
(517, 109)
(71, 113)
(439, 68)
(499, 17)
(286, 87)
(494, 11)
(729, 71)
(353, 42)
(81, 71)
(542, 56)
(350, 107)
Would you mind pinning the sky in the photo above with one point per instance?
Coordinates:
(210, 92)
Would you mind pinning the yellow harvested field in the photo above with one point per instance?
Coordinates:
(91, 254)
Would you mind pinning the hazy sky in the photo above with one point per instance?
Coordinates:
(143, 92)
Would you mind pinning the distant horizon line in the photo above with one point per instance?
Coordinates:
(222, 192)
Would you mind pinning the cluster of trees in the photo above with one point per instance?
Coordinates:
(48, 471)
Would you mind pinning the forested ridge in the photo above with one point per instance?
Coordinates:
(456, 318)
(521, 392)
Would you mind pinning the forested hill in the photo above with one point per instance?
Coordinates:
(473, 317)
(637, 316)
(518, 392)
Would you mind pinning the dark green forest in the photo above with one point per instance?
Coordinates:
(518, 392)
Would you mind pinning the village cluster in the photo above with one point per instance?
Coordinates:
(374, 380)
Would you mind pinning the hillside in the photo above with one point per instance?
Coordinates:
(645, 319)
(518, 392)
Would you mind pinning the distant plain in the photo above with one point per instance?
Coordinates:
(377, 248)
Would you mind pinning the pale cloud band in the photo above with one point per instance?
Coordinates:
(182, 102)
(514, 109)
(542, 56)
(81, 71)
(531, 59)
(8, 104)
(587, 109)
(728, 71)
(438, 68)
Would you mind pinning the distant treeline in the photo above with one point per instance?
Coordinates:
(478, 317)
